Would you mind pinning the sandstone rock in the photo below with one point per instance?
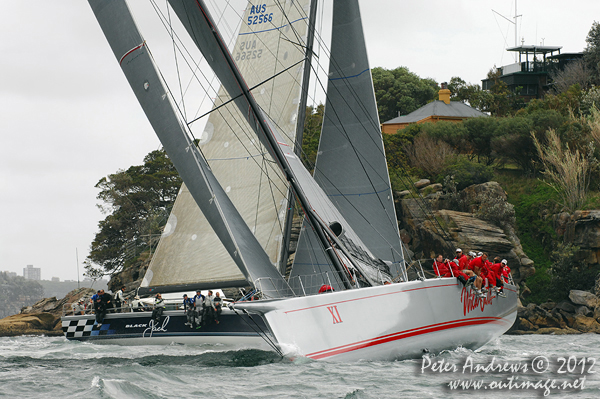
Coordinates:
(582, 228)
(560, 222)
(405, 236)
(584, 298)
(472, 195)
(422, 183)
(437, 187)
(586, 324)
(568, 318)
(526, 325)
(557, 331)
(548, 305)
(527, 262)
(556, 313)
(597, 313)
(525, 272)
(524, 291)
(30, 324)
(566, 306)
(522, 332)
(584, 310)
(402, 194)
(55, 306)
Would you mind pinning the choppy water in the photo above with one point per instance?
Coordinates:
(32, 367)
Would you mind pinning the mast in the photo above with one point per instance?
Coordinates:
(195, 17)
(243, 167)
(285, 250)
(133, 56)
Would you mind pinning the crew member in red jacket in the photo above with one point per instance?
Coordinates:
(505, 271)
(441, 267)
(445, 268)
(477, 264)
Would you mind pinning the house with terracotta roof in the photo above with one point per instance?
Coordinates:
(439, 110)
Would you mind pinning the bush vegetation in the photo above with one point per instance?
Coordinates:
(545, 156)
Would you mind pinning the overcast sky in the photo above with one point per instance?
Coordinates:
(68, 116)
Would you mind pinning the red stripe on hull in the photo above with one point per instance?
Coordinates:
(405, 334)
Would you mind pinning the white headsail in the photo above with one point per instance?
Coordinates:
(134, 58)
(323, 215)
(189, 254)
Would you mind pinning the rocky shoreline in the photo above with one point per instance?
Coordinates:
(579, 315)
(458, 213)
(43, 317)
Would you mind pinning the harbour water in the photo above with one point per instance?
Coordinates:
(51, 367)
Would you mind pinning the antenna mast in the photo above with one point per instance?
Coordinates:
(514, 23)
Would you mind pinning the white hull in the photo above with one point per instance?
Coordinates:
(387, 322)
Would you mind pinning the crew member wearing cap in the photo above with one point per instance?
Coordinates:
(505, 270)
(463, 264)
(478, 263)
(79, 307)
(459, 254)
(444, 268)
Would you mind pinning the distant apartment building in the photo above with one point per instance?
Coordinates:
(32, 273)
(55, 279)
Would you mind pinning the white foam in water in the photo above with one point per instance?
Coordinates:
(36, 366)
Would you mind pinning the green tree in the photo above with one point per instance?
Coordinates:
(480, 133)
(311, 135)
(591, 54)
(17, 292)
(515, 144)
(400, 92)
(137, 202)
(465, 92)
(499, 100)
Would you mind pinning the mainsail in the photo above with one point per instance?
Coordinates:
(344, 247)
(189, 254)
(134, 58)
(350, 164)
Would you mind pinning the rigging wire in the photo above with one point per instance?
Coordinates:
(316, 72)
(263, 168)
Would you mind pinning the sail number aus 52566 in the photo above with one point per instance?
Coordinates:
(258, 15)
(248, 55)
(259, 19)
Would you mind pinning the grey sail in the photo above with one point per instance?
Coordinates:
(134, 58)
(351, 166)
(348, 251)
(189, 253)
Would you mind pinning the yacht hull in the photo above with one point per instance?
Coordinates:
(136, 328)
(388, 322)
